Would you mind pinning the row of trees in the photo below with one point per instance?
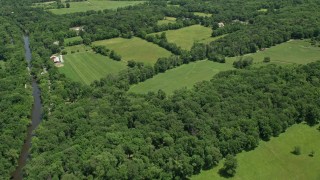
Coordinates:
(106, 52)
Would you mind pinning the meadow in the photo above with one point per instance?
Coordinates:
(87, 66)
(202, 14)
(167, 20)
(185, 37)
(274, 160)
(184, 76)
(96, 5)
(135, 49)
(293, 51)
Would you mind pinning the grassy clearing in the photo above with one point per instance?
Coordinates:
(184, 76)
(202, 14)
(72, 39)
(87, 66)
(135, 49)
(96, 5)
(77, 48)
(185, 37)
(294, 51)
(274, 160)
(167, 20)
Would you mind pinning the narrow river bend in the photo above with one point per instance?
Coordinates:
(36, 115)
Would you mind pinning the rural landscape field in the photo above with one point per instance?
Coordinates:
(135, 49)
(95, 5)
(87, 67)
(275, 158)
(121, 89)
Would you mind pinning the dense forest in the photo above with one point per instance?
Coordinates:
(114, 135)
(103, 132)
(15, 96)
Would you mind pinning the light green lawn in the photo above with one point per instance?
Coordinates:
(185, 37)
(294, 51)
(183, 76)
(274, 160)
(86, 67)
(167, 20)
(202, 14)
(135, 49)
(72, 39)
(96, 5)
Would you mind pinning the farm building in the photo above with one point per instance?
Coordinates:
(56, 58)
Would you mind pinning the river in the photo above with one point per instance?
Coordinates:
(36, 115)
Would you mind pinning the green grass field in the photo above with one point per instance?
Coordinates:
(202, 14)
(86, 67)
(96, 5)
(274, 160)
(73, 39)
(135, 49)
(167, 20)
(183, 76)
(294, 51)
(185, 37)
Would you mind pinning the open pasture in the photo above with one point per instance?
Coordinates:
(86, 67)
(293, 51)
(274, 160)
(135, 49)
(185, 37)
(183, 76)
(96, 5)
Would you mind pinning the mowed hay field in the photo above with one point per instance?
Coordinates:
(96, 5)
(185, 37)
(183, 76)
(87, 66)
(274, 160)
(135, 49)
(293, 51)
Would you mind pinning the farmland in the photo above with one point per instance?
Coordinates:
(96, 5)
(167, 20)
(274, 160)
(294, 51)
(183, 76)
(185, 37)
(135, 49)
(87, 67)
